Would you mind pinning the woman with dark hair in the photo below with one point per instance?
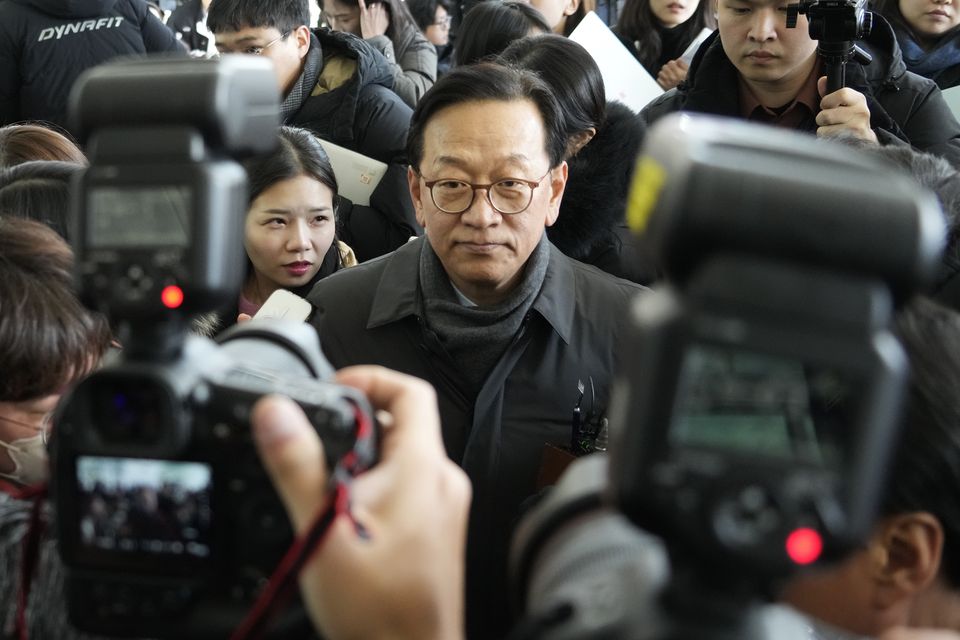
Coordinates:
(389, 27)
(657, 32)
(290, 230)
(563, 16)
(489, 27)
(927, 31)
(603, 139)
(434, 17)
(21, 143)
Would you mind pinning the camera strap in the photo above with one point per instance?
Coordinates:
(284, 578)
(30, 553)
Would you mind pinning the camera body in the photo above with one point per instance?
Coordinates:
(836, 25)
(752, 422)
(167, 523)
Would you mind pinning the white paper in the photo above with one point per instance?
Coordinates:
(691, 51)
(624, 77)
(357, 175)
(952, 97)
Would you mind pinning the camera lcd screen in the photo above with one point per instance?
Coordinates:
(139, 506)
(768, 406)
(139, 217)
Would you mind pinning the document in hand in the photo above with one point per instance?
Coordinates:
(357, 175)
(687, 55)
(624, 77)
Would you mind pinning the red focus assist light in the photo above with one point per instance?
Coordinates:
(171, 296)
(804, 546)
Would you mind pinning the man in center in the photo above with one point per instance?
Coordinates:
(512, 334)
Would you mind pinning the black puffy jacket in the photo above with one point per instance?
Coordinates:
(46, 44)
(904, 107)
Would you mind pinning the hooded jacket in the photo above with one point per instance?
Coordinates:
(904, 107)
(591, 227)
(46, 44)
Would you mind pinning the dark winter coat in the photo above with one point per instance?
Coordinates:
(372, 314)
(591, 227)
(366, 116)
(904, 107)
(46, 44)
(363, 115)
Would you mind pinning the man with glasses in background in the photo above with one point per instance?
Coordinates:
(341, 89)
(511, 333)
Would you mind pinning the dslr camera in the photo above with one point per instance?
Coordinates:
(752, 423)
(167, 523)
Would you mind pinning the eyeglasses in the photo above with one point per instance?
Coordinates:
(509, 196)
(444, 22)
(256, 51)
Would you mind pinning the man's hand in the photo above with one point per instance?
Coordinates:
(406, 579)
(672, 74)
(374, 19)
(843, 112)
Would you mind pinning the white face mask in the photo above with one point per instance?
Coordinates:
(29, 457)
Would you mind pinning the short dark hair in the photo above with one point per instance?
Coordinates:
(39, 190)
(233, 15)
(570, 71)
(47, 338)
(424, 12)
(488, 81)
(925, 475)
(21, 143)
(490, 26)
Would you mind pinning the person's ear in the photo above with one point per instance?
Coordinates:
(906, 552)
(413, 182)
(301, 36)
(571, 7)
(579, 141)
(558, 182)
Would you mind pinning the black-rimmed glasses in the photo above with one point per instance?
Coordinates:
(509, 196)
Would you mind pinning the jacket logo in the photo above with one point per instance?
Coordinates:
(79, 27)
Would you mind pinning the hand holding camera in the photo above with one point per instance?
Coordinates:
(396, 570)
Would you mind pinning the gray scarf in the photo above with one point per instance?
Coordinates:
(477, 337)
(304, 85)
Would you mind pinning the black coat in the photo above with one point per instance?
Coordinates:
(591, 227)
(366, 116)
(371, 314)
(46, 44)
(904, 107)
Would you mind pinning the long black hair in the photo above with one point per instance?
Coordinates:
(638, 24)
